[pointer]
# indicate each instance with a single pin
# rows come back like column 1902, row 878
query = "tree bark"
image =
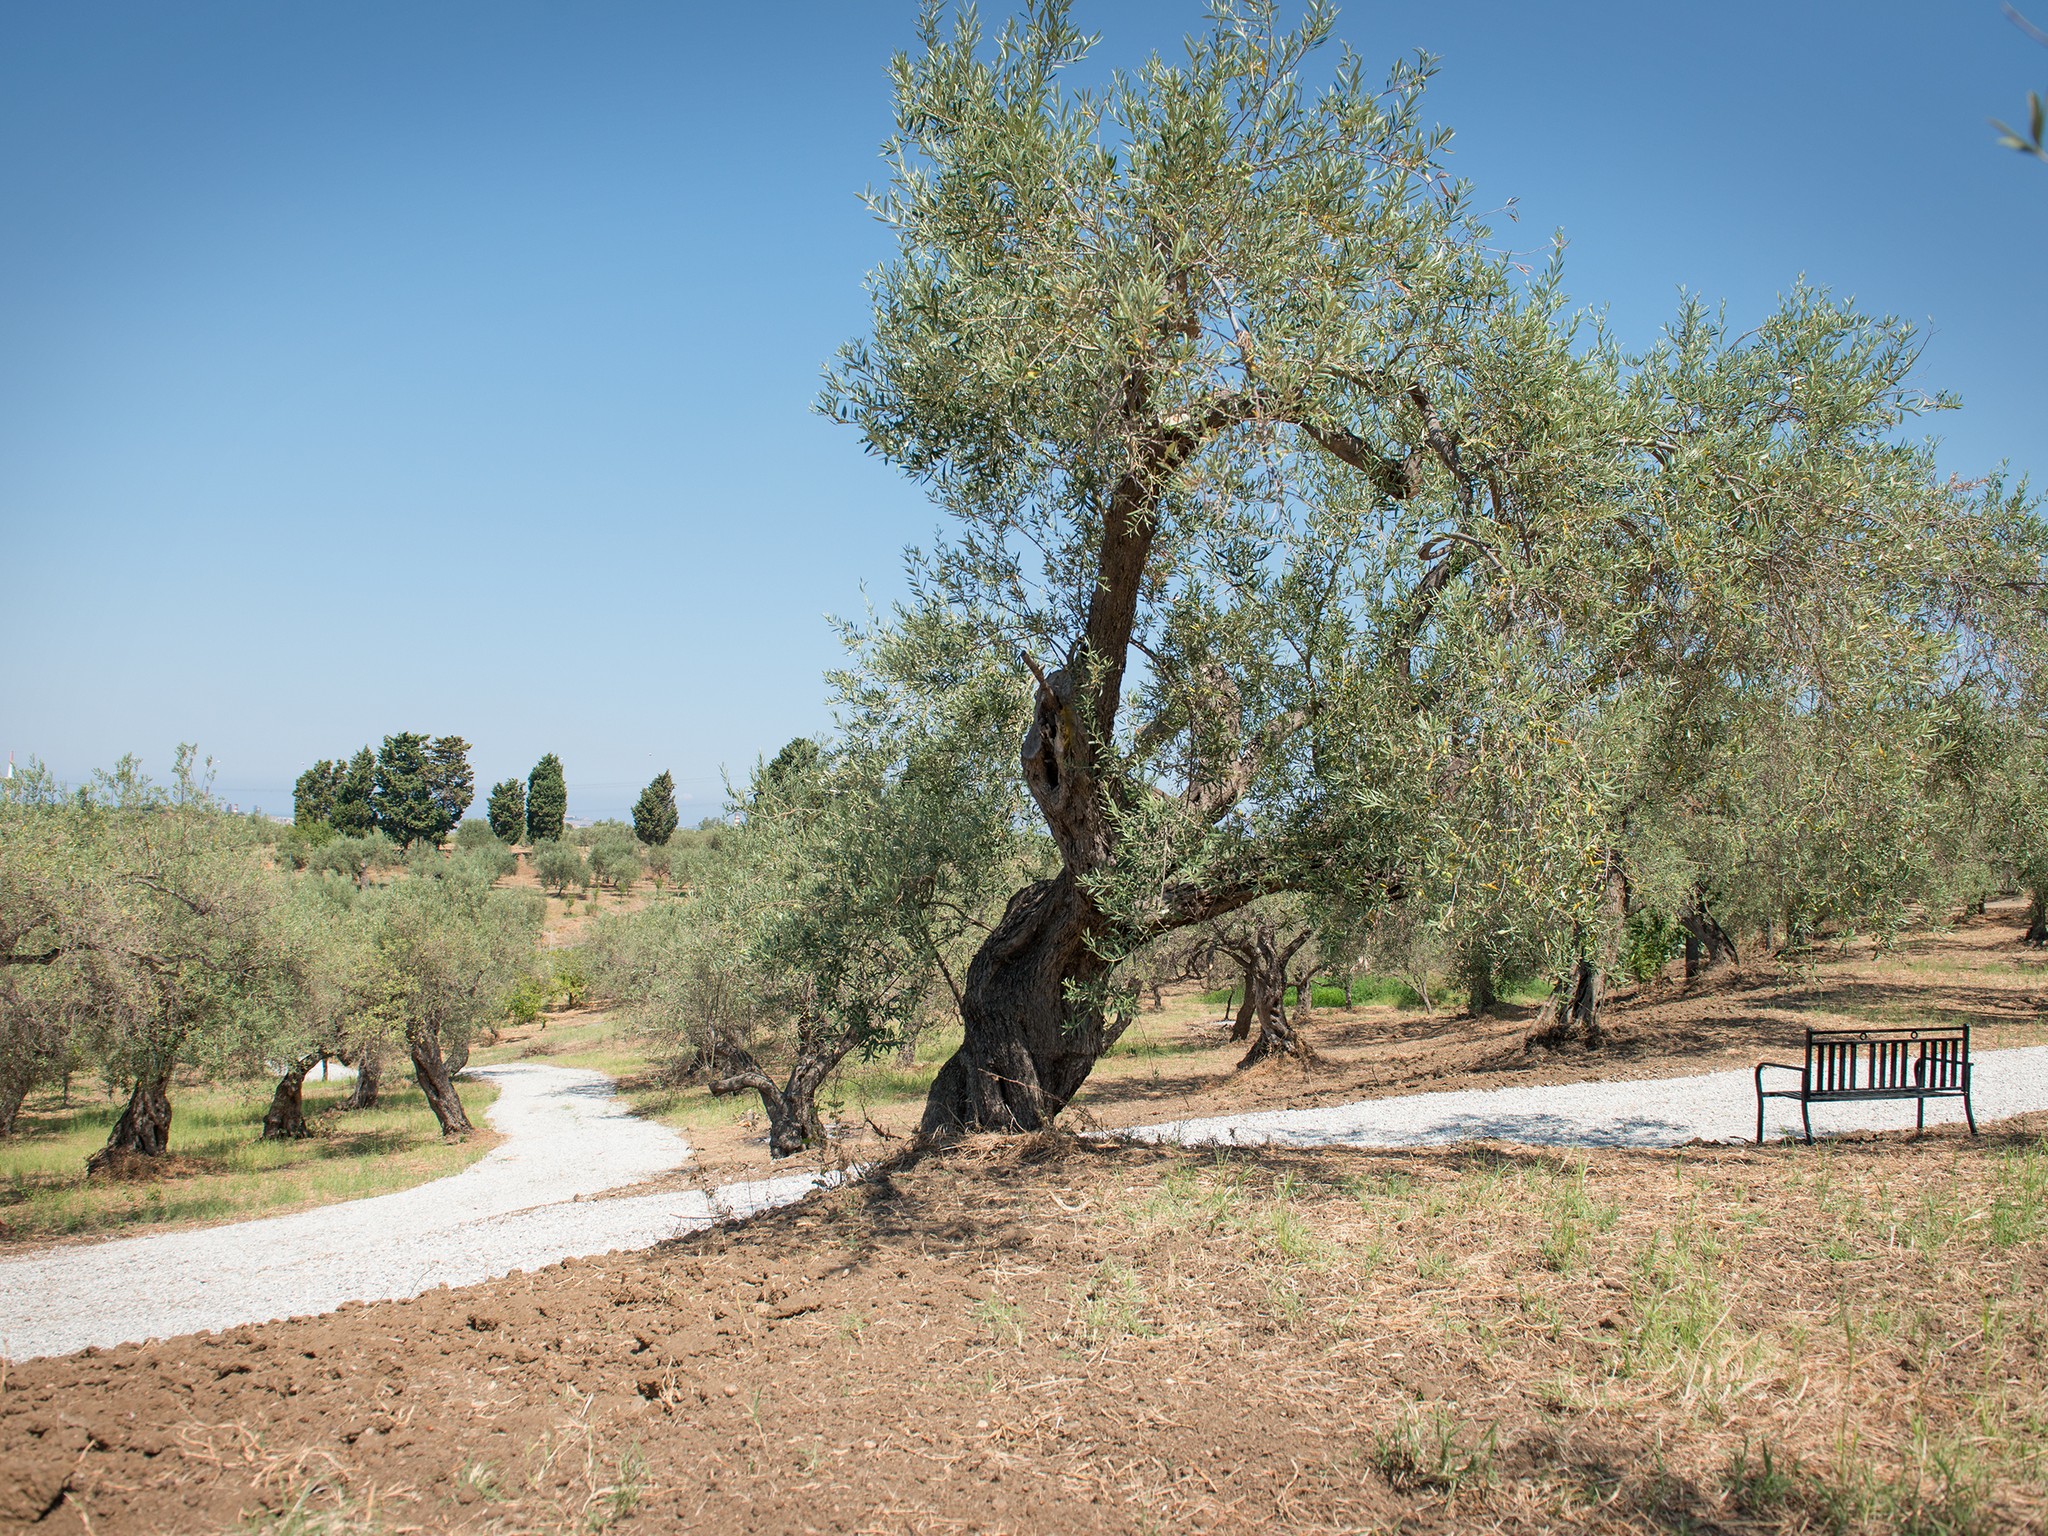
column 792, row 1109
column 424, row 1044
column 1241, row 1026
column 1707, row 945
column 369, row 1076
column 144, row 1126
column 2037, row 918
column 285, row 1120
column 15, row 1082
column 1029, row 1043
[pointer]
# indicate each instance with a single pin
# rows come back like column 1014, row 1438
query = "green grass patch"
column 219, row 1168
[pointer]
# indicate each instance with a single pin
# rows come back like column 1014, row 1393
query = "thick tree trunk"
column 792, row 1109
column 1480, row 994
column 1707, row 945
column 369, row 1076
column 144, row 1126
column 1029, row 1043
column 2037, row 918
column 424, row 1044
column 1247, row 1011
column 1278, row 1034
column 285, row 1120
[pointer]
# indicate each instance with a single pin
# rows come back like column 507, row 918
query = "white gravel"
column 523, row 1205
column 1652, row 1112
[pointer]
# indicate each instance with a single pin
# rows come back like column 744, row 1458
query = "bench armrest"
column 1782, row 1066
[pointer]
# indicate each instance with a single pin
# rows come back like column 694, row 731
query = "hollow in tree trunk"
column 144, row 1126
column 285, row 1120
column 423, row 1041
column 369, row 1077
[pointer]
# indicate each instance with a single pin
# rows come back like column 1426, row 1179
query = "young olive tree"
column 443, row 950
column 1322, row 535
column 858, row 882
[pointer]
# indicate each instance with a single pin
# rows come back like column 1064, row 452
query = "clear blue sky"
column 373, row 367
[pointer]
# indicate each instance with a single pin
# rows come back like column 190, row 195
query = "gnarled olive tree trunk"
column 1707, row 944
column 285, row 1120
column 2037, row 918
column 423, row 1042
column 369, row 1066
column 144, row 1127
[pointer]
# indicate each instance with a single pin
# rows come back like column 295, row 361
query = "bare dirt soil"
column 1045, row 1335
column 1040, row 1334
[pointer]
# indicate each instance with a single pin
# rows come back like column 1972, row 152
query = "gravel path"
column 523, row 1205
column 1653, row 1112
column 568, row 1137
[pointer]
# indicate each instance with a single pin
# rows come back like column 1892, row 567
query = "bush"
column 559, row 866
column 569, row 978
column 1649, row 942
column 615, row 860
column 476, row 833
column 529, row 997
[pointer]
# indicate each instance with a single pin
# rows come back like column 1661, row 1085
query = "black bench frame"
column 1843, row 1065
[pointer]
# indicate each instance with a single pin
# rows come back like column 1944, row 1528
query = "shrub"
column 1649, row 941
column 615, row 860
column 559, row 866
column 476, row 833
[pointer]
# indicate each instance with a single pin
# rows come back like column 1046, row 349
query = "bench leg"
column 1806, row 1119
column 1759, row 1117
column 1920, row 1123
column 1969, row 1114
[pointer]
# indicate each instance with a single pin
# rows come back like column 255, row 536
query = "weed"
column 1431, row 1448
column 1001, row 1320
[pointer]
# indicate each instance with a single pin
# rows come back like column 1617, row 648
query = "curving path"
column 523, row 1205
column 1647, row 1112
column 568, row 1137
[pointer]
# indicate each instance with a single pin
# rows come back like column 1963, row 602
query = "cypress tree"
column 354, row 812
column 407, row 807
column 547, row 801
column 313, row 796
column 654, row 813
column 507, row 810
column 450, row 778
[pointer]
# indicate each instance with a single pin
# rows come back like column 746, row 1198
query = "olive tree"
column 442, row 951
column 1320, row 534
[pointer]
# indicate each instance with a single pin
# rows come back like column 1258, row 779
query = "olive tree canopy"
column 1319, row 530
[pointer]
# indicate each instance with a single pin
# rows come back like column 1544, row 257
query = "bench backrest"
column 1873, row 1060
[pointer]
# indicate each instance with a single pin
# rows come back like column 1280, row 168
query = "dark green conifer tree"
column 507, row 810
column 355, row 811
column 450, row 777
column 547, row 801
column 654, row 813
column 313, row 796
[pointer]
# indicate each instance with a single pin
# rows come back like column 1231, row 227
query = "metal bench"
column 1850, row 1064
